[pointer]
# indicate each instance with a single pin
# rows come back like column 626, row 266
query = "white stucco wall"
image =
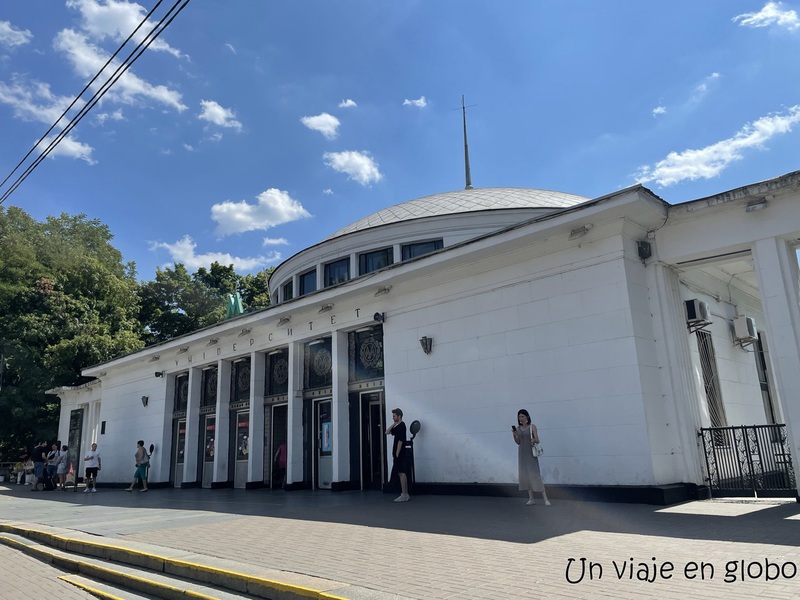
column 550, row 333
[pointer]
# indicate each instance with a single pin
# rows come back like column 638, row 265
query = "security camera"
column 159, row 373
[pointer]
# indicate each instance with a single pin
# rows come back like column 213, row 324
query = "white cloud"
column 327, row 191
column 111, row 19
column 712, row 160
column 348, row 103
column 69, row 147
column 659, row 110
column 274, row 207
column 87, row 59
column 217, row 115
column 772, row 14
column 34, row 101
column 419, row 102
column 231, row 48
column 12, row 37
column 114, row 116
column 184, row 251
column 216, row 137
column 188, row 147
column 326, row 124
column 274, row 242
column 701, row 89
column 356, row 165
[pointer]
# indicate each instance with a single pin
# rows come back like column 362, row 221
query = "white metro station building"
column 625, row 325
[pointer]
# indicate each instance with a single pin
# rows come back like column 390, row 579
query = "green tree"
column 177, row 303
column 67, row 301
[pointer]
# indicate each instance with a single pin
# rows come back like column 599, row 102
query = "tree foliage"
column 176, row 303
column 67, row 301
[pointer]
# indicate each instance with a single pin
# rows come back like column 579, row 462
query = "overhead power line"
column 134, row 55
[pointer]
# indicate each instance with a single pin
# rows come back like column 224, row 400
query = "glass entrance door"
column 209, row 443
column 372, row 440
column 279, row 440
column 324, row 435
column 242, row 447
column 180, row 450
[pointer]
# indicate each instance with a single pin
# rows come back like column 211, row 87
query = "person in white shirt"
column 92, row 460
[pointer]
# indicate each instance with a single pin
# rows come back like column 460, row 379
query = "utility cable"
column 86, row 87
column 98, row 95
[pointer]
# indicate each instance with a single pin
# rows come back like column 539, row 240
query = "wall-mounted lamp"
column 159, row 373
column 154, row 358
column 145, row 400
column 383, row 290
column 183, row 350
column 245, row 331
column 581, row 231
column 755, row 205
column 426, row 343
column 284, row 321
column 325, row 308
column 379, row 317
column 213, row 342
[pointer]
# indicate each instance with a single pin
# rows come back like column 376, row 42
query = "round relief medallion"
column 370, row 352
column 280, row 372
column 322, row 362
column 244, row 378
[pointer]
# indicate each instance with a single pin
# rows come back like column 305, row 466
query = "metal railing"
column 753, row 460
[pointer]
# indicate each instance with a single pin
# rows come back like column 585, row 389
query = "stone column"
column 222, row 443
column 192, row 427
column 339, row 409
column 255, row 461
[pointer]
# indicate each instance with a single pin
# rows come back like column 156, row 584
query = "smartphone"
column 513, row 428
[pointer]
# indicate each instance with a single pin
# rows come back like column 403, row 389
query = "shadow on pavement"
column 490, row 518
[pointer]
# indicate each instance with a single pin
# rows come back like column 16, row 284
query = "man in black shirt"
column 401, row 463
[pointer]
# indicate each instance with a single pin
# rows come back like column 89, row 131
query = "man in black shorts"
column 92, row 460
column 401, row 462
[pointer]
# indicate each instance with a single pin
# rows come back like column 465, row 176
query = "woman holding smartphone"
column 530, row 477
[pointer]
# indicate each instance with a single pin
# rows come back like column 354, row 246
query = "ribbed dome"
column 463, row 201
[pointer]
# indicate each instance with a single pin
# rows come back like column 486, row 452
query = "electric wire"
column 157, row 30
column 83, row 91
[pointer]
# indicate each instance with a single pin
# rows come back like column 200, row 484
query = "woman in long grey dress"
column 530, row 477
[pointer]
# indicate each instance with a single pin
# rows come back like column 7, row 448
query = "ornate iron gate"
column 749, row 460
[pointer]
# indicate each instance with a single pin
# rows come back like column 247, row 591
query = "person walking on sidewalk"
column 93, row 466
column 401, row 465
column 530, row 476
column 142, row 464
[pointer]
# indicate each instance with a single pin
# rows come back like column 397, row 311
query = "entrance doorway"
column 209, row 444
column 324, row 437
column 279, row 437
column 179, row 439
column 241, row 449
column 373, row 447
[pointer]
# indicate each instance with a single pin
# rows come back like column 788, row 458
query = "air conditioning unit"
column 744, row 329
column 697, row 311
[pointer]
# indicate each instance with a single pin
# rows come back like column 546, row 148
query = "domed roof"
column 463, row 201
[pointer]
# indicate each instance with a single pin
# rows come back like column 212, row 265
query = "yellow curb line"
column 92, row 590
column 139, row 584
column 167, row 565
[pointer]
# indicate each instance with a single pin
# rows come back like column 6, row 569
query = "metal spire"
column 466, row 146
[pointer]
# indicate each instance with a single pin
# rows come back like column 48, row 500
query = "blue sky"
column 251, row 129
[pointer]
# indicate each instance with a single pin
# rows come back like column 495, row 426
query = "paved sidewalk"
column 454, row 546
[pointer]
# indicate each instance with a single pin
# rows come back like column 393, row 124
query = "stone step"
column 131, row 579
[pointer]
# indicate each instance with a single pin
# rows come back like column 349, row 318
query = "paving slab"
column 450, row 546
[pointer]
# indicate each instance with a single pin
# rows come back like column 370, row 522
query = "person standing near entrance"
column 530, row 476
column 401, row 464
column 39, row 458
column 142, row 464
column 92, row 461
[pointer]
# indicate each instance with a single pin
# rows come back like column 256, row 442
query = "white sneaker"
column 530, row 502
column 547, row 502
column 86, row 491
column 94, row 490
column 403, row 498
